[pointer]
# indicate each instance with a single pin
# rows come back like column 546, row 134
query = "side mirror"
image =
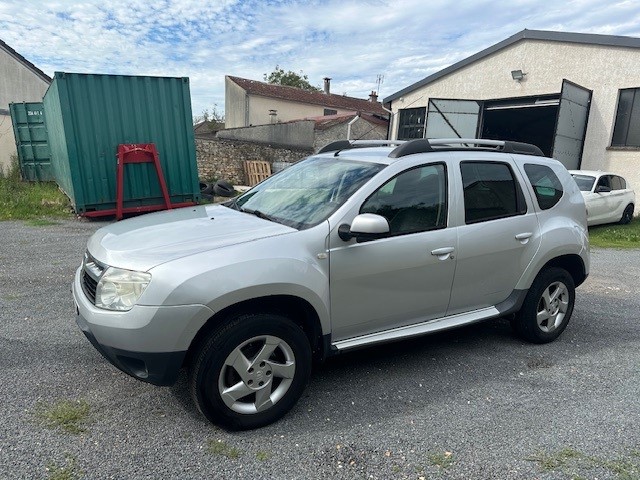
column 365, row 225
column 602, row 189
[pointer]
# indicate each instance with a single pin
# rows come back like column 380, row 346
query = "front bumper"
column 148, row 343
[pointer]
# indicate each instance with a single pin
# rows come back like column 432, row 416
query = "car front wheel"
column 547, row 308
column 251, row 371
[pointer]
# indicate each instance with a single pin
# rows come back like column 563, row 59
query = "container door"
column 32, row 143
column 571, row 126
column 448, row 118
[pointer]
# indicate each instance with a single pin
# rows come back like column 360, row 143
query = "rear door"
column 498, row 234
column 571, row 124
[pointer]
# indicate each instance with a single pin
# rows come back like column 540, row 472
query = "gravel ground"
column 470, row 403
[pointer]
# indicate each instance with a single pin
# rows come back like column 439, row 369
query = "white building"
column 20, row 81
column 249, row 103
column 576, row 96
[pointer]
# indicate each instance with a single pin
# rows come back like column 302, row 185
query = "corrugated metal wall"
column 29, row 130
column 88, row 116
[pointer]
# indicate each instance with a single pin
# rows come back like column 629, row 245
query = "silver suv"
column 360, row 244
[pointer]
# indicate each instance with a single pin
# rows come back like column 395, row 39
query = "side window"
column 413, row 201
column 490, row 192
column 604, row 181
column 617, row 183
column 545, row 183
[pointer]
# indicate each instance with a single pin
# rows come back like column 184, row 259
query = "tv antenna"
column 379, row 81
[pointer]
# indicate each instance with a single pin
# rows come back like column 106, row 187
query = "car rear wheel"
column 627, row 215
column 547, row 308
column 251, row 371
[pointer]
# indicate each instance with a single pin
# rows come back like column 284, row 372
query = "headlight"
column 120, row 289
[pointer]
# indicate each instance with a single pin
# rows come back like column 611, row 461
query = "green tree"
column 212, row 115
column 290, row 79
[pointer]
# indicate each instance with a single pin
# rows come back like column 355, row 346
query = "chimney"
column 274, row 115
column 373, row 97
column 327, row 85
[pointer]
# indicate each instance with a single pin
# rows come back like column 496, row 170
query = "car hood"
column 144, row 242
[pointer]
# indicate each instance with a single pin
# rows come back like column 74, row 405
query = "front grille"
column 91, row 273
column 89, row 286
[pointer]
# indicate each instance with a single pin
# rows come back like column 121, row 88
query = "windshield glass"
column 585, row 182
column 306, row 193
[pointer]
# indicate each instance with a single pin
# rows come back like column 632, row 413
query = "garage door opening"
column 556, row 123
column 531, row 122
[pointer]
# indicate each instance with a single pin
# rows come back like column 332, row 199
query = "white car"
column 608, row 197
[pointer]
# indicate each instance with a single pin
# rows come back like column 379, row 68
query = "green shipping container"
column 87, row 116
column 30, row 133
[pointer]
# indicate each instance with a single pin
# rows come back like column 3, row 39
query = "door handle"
column 443, row 253
column 524, row 237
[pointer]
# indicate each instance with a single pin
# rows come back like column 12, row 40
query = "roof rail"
column 347, row 144
column 423, row 145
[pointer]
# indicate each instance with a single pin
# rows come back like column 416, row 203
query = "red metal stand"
column 138, row 153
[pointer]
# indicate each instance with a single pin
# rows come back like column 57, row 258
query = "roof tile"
column 293, row 94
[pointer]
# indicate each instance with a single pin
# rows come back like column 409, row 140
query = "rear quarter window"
column 545, row 183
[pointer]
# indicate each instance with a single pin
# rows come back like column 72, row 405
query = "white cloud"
column 350, row 41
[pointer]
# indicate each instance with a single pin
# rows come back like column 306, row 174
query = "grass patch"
column 441, row 460
column 30, row 200
column 41, row 222
column 574, row 463
column 262, row 456
column 68, row 471
column 616, row 236
column 70, row 416
column 558, row 460
column 218, row 447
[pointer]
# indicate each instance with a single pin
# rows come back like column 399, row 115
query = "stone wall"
column 223, row 159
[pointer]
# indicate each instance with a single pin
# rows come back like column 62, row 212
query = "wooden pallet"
column 256, row 171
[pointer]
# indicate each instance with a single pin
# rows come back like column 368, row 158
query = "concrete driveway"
column 470, row 403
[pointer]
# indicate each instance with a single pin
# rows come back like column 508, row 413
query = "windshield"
column 306, row 193
column 585, row 182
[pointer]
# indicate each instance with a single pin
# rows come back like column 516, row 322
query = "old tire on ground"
column 627, row 215
column 251, row 371
column 223, row 189
column 206, row 188
column 547, row 307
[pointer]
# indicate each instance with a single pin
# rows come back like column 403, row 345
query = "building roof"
column 327, row 121
column 564, row 37
column 25, row 62
column 299, row 95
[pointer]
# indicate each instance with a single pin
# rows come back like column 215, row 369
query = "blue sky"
column 350, row 41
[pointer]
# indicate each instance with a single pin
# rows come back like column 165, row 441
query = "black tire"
column 551, row 280
column 209, row 374
column 627, row 215
column 223, row 188
column 206, row 188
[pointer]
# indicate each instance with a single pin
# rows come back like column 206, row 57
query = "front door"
column 404, row 277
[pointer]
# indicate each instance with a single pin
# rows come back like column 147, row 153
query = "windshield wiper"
column 259, row 214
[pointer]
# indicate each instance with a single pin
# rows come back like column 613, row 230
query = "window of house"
column 626, row 131
column 490, row 192
column 330, row 111
column 545, row 183
column 411, row 123
column 413, row 201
